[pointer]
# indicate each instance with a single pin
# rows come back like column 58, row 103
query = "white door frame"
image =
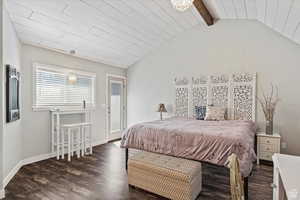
column 107, row 115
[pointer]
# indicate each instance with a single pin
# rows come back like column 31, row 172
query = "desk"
column 56, row 124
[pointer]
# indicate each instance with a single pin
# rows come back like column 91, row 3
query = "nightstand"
column 267, row 145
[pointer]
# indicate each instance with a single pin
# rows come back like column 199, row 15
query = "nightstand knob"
column 273, row 185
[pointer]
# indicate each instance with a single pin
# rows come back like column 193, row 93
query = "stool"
column 71, row 138
column 86, row 138
column 74, row 137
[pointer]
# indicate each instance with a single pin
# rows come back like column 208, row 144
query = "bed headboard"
column 236, row 92
column 182, row 97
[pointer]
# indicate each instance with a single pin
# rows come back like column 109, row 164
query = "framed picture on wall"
column 12, row 94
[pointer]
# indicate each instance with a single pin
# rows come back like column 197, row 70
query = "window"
column 58, row 87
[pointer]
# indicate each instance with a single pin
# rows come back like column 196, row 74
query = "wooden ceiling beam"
column 203, row 11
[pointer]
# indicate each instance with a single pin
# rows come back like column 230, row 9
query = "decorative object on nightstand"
column 267, row 145
column 161, row 109
column 268, row 104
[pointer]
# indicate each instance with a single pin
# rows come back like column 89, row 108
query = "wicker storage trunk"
column 167, row 176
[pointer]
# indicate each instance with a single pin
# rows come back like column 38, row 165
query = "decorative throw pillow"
column 214, row 113
column 200, row 112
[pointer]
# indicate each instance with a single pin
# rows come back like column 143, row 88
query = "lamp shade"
column 161, row 108
column 72, row 78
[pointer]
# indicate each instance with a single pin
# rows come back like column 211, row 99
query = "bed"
column 205, row 141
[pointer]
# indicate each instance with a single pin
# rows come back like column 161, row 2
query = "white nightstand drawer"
column 266, row 155
column 268, row 147
column 267, row 140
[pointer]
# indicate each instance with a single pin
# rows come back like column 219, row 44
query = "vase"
column 269, row 127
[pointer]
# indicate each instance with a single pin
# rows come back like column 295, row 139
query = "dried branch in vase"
column 268, row 104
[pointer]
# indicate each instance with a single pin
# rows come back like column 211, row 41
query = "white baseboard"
column 99, row 142
column 2, row 193
column 114, row 136
column 38, row 158
column 34, row 159
column 12, row 173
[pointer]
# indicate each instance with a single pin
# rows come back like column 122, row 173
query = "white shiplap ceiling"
column 121, row 32
column 115, row 32
column 282, row 16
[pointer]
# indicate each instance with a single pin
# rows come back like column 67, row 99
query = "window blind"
column 54, row 88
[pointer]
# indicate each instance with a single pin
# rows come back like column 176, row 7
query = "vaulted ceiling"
column 121, row 32
column 282, row 16
column 116, row 32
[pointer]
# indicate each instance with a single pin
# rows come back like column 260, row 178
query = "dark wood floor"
column 102, row 176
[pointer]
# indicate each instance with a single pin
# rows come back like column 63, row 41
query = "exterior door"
column 116, row 108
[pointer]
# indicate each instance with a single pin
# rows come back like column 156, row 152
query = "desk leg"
column 91, row 145
column 78, row 143
column 276, row 181
column 82, row 140
column 52, row 132
column 72, row 142
column 62, row 144
column 57, row 136
column 69, row 144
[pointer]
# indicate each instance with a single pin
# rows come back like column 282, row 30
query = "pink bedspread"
column 209, row 141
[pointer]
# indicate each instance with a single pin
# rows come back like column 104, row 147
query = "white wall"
column 12, row 136
column 36, row 125
column 226, row 47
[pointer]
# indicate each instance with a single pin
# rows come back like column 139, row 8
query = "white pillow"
column 214, row 113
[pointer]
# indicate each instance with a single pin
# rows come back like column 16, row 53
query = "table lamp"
column 161, row 109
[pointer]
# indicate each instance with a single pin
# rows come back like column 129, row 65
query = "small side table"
column 267, row 146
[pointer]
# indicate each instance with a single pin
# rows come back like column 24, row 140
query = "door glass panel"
column 115, row 105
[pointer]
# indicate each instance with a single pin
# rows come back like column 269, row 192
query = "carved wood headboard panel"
column 236, row 92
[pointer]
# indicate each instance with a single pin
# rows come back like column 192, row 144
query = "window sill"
column 61, row 108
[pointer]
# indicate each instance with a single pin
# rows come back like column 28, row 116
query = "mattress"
column 206, row 141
